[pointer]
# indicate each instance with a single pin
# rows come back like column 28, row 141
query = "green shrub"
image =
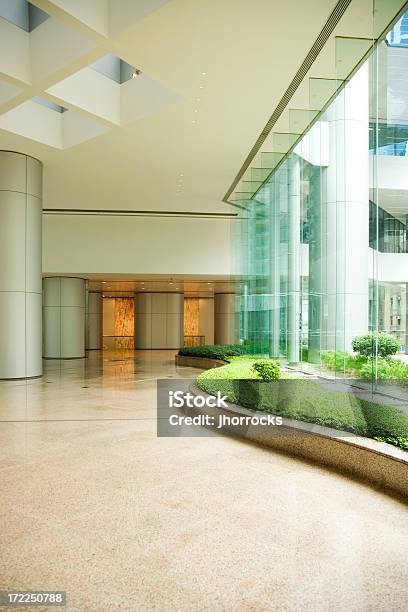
column 387, row 369
column 341, row 361
column 268, row 369
column 241, row 358
column 366, row 345
column 226, row 379
column 384, row 420
column 307, row 400
column 399, row 441
column 213, row 351
column 369, row 371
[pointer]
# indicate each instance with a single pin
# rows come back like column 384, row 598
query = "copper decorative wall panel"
column 124, row 317
column 191, row 317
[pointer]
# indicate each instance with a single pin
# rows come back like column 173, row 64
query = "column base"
column 64, row 358
column 24, row 377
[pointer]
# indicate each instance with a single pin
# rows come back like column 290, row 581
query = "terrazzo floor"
column 93, row 503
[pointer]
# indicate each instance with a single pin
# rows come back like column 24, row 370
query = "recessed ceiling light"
column 103, row 282
column 196, row 110
column 204, row 73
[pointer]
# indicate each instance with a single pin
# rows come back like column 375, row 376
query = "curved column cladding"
column 345, row 217
column 225, row 320
column 64, row 318
column 94, row 325
column 159, row 320
column 20, row 265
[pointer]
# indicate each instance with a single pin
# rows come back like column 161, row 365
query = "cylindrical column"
column 294, row 280
column 346, row 215
column 94, row 326
column 159, row 320
column 20, row 265
column 64, row 318
column 225, row 327
column 274, row 346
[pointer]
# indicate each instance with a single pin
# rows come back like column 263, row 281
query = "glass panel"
column 260, row 174
column 348, row 53
column 239, row 196
column 321, row 91
column 270, row 160
column 300, row 119
column 325, row 244
column 250, row 186
column 282, row 142
column 384, row 12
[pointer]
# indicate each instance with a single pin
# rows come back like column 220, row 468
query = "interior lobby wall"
column 118, row 322
column 206, row 327
column 191, row 316
column 124, row 317
column 83, row 245
column 109, row 316
column 199, row 319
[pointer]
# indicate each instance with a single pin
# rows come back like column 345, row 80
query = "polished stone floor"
column 93, row 503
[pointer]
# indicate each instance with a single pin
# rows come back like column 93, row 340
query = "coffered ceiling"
column 212, row 71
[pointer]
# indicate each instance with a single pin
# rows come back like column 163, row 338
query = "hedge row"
column 213, row 351
column 307, row 400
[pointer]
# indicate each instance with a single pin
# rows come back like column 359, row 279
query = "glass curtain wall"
column 322, row 244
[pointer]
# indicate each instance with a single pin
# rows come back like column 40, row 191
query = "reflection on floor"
column 94, row 504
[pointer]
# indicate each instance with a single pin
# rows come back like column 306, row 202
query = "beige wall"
column 108, row 316
column 84, row 245
column 225, row 319
column 159, row 319
column 207, row 319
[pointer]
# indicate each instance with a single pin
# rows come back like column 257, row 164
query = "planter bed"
column 377, row 463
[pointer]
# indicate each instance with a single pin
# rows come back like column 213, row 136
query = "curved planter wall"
column 203, row 363
column 378, row 463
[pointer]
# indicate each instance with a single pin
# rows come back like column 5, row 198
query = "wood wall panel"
column 124, row 317
column 191, row 317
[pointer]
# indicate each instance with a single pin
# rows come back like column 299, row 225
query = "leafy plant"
column 384, row 420
column 341, row 360
column 366, row 345
column 399, row 441
column 386, row 369
column 268, row 369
